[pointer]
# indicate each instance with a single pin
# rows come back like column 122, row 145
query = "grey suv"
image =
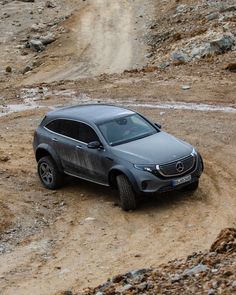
column 113, row 146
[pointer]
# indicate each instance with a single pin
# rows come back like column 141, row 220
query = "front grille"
column 170, row 169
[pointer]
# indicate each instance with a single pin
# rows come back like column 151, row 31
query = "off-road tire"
column 49, row 173
column 127, row 196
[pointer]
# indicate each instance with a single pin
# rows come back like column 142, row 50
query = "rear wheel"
column 49, row 173
column 127, row 196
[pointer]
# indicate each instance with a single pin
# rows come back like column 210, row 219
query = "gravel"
column 208, row 272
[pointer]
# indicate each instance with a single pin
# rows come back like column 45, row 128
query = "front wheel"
column 127, row 196
column 49, row 174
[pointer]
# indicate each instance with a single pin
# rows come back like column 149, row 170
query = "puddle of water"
column 83, row 98
column 33, row 98
column 186, row 106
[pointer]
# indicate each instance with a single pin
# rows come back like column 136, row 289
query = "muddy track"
column 105, row 37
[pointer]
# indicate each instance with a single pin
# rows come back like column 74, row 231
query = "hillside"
column 173, row 61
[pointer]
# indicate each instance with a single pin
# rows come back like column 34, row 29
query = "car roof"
column 96, row 113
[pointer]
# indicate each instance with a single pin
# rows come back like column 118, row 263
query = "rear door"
column 64, row 141
column 94, row 162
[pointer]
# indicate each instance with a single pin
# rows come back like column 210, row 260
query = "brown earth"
column 47, row 241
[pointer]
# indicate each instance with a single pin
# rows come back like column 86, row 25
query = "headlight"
column 194, row 152
column 148, row 167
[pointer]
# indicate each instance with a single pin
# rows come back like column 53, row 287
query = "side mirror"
column 94, row 145
column 158, row 125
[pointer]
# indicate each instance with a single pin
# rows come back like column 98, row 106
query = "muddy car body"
column 113, row 146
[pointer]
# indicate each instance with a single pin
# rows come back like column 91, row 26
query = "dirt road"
column 77, row 236
column 104, row 37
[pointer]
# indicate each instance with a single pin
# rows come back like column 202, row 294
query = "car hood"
column 159, row 148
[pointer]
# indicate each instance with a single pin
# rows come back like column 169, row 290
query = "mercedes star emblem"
column 179, row 166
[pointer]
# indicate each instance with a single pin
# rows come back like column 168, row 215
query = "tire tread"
column 127, row 196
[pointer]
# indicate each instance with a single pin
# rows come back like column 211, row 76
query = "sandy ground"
column 47, row 243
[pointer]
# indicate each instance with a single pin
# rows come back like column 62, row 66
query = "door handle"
column 79, row 147
column 55, row 139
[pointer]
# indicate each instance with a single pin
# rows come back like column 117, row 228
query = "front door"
column 93, row 162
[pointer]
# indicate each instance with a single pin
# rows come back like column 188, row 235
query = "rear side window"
column 73, row 129
column 54, row 126
column 65, row 127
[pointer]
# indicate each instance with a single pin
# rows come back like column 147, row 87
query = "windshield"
column 125, row 129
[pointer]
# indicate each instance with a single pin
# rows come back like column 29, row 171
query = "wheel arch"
column 201, row 161
column 44, row 150
column 117, row 170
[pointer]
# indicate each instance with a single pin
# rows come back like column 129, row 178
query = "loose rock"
column 185, row 87
column 36, row 45
column 180, row 276
column 50, row 4
column 47, row 39
column 8, row 69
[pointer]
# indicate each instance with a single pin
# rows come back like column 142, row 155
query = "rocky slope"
column 56, row 40
column 210, row 272
column 192, row 31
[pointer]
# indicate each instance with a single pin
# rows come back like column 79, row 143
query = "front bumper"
column 147, row 182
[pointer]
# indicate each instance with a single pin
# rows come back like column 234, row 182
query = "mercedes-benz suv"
column 113, row 146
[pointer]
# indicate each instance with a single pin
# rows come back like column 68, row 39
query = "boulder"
column 225, row 241
column 26, row 69
column 222, row 44
column 182, row 8
column 36, row 45
column 231, row 67
column 38, row 27
column 212, row 16
column 8, row 69
column 179, row 56
column 195, row 270
column 47, row 39
column 50, row 4
column 198, row 52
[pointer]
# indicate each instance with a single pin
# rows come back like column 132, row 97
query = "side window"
column 70, row 129
column 73, row 129
column 65, row 127
column 54, row 126
column 87, row 134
